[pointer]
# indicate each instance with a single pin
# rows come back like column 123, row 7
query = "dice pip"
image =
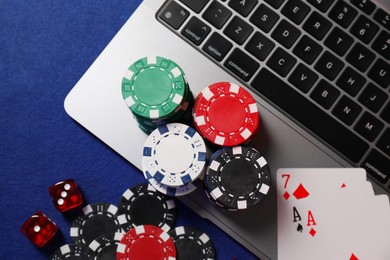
column 65, row 195
column 39, row 229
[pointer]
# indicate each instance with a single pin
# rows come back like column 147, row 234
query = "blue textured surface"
column 45, row 47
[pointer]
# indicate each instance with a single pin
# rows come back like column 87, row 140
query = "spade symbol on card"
column 300, row 228
column 301, row 192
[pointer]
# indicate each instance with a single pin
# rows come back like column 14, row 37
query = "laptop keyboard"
column 323, row 63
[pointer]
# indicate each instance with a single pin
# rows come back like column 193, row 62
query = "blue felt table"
column 45, row 47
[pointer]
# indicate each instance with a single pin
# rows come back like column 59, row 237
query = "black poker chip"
column 192, row 244
column 70, row 252
column 144, row 205
column 95, row 220
column 104, row 247
column 214, row 202
column 237, row 177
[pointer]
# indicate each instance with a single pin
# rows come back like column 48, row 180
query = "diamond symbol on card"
column 301, row 192
column 353, row 257
column 343, row 186
column 286, row 195
column 312, row 232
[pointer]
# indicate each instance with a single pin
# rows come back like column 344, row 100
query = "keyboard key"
column 351, row 81
column 281, row 62
column 238, row 30
column 307, row 49
column 342, row 13
column 310, row 115
column 303, row 78
column 275, row 3
column 329, row 65
column 217, row 46
column 382, row 45
column 364, row 5
column 317, row 25
column 264, row 18
column 377, row 166
column 322, row 5
column 243, row 7
column 295, row 10
column 195, row 30
column 364, row 29
column 241, row 64
column 260, row 46
column 380, row 73
column 325, row 94
column 174, row 14
column 386, row 113
column 217, row 14
column 369, row 126
column 338, row 41
column 373, row 98
column 196, row 6
column 286, row 33
column 383, row 18
column 360, row 57
column 347, row 110
column 384, row 142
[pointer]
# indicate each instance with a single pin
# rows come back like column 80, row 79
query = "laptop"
column 319, row 71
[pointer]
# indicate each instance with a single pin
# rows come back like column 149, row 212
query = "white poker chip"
column 172, row 191
column 174, row 155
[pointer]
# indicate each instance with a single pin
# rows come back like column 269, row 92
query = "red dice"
column 39, row 229
column 65, row 195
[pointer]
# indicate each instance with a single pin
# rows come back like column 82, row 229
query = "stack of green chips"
column 157, row 92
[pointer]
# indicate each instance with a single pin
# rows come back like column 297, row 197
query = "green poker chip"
column 156, row 91
column 173, row 116
column 154, row 88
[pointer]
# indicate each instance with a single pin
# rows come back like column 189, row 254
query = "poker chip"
column 104, row 247
column 146, row 242
column 70, row 252
column 174, row 155
column 156, row 91
column 146, row 130
column 226, row 114
column 143, row 204
column 192, row 244
column 171, row 191
column 94, row 220
column 214, row 202
column 237, row 177
column 153, row 87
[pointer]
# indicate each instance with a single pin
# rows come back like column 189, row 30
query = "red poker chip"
column 226, row 114
column 146, row 242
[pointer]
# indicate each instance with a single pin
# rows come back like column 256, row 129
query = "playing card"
column 298, row 184
column 287, row 211
column 354, row 190
column 351, row 228
column 301, row 188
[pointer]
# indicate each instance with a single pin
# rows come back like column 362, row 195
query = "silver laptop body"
column 96, row 103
